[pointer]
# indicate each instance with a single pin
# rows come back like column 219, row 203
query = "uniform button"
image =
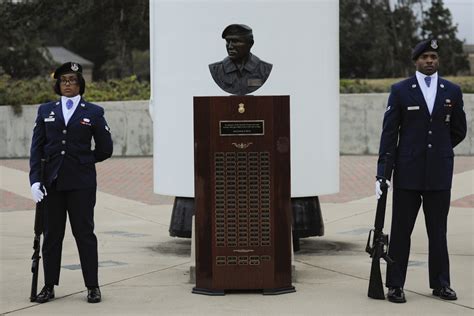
column 431, row 120
column 430, row 132
column 429, row 145
column 64, row 131
column 63, row 152
column 63, row 142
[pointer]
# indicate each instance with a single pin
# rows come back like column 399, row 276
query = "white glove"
column 36, row 192
column 378, row 190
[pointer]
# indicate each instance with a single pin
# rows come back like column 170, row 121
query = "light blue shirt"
column 429, row 93
column 67, row 113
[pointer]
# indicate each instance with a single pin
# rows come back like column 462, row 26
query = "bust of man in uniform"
column 240, row 72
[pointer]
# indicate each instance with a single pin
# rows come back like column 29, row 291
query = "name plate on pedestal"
column 242, row 128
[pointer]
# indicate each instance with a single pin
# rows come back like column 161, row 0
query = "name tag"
column 49, row 119
column 412, row 108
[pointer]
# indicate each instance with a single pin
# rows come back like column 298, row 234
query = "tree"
column 128, row 33
column 377, row 37
column 376, row 41
column 352, row 40
column 438, row 24
column 403, row 28
column 22, row 54
column 114, row 34
column 106, row 32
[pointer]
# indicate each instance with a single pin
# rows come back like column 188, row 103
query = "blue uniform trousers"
column 79, row 205
column 406, row 204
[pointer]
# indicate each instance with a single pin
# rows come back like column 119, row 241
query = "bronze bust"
column 240, row 72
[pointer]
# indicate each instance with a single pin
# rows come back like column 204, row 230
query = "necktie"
column 428, row 81
column 69, row 104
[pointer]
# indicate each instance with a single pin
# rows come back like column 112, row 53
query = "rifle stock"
column 34, row 268
column 375, row 283
column 377, row 241
column 37, row 240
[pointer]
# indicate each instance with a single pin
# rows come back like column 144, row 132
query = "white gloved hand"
column 378, row 189
column 36, row 192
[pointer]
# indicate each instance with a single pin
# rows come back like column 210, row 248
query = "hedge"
column 39, row 90
column 383, row 85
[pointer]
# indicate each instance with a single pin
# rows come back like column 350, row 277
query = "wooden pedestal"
column 242, row 194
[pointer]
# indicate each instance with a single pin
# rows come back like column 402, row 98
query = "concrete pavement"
column 143, row 271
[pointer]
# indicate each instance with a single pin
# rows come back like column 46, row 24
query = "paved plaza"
column 144, row 271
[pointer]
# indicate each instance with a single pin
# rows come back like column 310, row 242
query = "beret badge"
column 74, row 67
column 434, row 44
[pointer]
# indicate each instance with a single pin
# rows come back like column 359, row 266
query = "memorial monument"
column 241, row 73
column 242, row 178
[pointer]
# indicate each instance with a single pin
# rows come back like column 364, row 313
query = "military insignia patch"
column 254, row 82
column 74, row 67
column 434, row 44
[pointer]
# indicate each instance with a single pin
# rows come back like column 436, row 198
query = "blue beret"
column 429, row 45
column 69, row 67
column 237, row 30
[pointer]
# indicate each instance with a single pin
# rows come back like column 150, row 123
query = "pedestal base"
column 181, row 217
column 284, row 290
column 197, row 290
column 278, row 291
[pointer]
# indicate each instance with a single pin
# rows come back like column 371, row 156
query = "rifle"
column 377, row 242
column 37, row 240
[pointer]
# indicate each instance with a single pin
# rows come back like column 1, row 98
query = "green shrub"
column 40, row 90
column 383, row 85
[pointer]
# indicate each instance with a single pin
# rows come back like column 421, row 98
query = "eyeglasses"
column 71, row 81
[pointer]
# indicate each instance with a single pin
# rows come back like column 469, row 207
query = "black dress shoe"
column 446, row 293
column 396, row 295
column 93, row 295
column 46, row 294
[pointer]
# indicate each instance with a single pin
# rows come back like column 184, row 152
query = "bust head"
column 239, row 41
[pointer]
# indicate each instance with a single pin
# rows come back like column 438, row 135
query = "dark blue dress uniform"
column 422, row 144
column 70, row 181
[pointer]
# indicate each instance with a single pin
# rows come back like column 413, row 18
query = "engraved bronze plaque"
column 242, row 187
column 247, row 198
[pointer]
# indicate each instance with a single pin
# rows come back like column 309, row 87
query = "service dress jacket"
column 422, row 144
column 70, row 158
